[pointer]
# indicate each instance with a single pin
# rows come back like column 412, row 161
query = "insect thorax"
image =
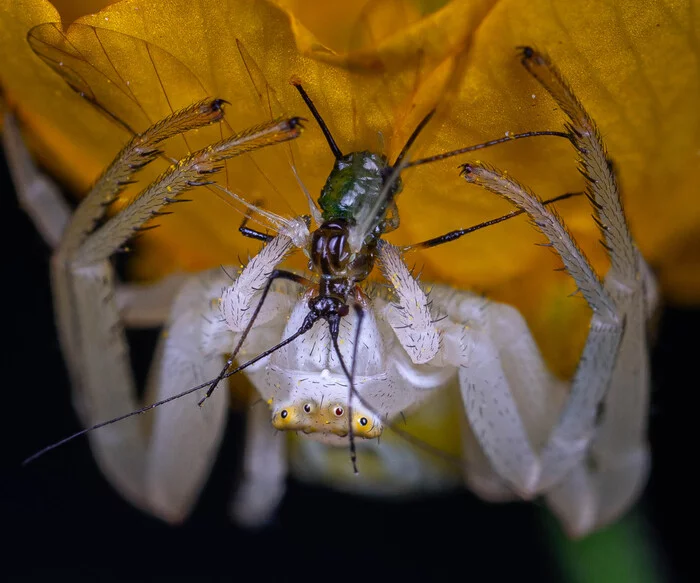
column 354, row 186
column 349, row 200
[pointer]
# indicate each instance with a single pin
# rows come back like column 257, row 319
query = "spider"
column 337, row 364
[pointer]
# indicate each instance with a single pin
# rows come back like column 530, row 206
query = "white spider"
column 580, row 444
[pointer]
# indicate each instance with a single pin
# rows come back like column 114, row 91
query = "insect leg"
column 253, row 234
column 334, row 326
column 453, row 235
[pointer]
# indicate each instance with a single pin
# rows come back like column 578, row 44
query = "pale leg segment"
column 264, row 470
column 88, row 321
column 262, row 482
column 183, row 439
column 605, row 484
column 140, row 305
column 148, row 305
column 510, row 397
column 38, row 196
column 610, row 479
column 159, row 462
column 569, row 441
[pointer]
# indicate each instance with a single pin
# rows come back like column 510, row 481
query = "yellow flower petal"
column 635, row 68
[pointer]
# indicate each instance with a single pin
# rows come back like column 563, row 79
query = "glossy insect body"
column 353, row 189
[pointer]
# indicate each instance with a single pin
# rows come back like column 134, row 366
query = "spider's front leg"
column 158, row 463
column 595, row 459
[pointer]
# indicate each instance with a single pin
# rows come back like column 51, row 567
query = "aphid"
column 336, row 364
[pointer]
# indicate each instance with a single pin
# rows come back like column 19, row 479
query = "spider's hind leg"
column 37, row 194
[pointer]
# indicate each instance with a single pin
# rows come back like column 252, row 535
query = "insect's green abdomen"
column 354, row 183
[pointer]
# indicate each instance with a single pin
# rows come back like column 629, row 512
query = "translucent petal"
column 373, row 70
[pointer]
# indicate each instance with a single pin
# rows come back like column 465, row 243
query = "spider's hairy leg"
column 568, row 442
column 619, row 452
column 412, row 322
column 156, row 463
column 140, row 304
column 490, row 347
column 141, row 150
column 255, row 315
column 595, row 459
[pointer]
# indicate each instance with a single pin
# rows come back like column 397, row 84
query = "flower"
column 373, row 70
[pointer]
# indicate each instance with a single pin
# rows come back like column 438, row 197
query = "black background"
column 59, row 514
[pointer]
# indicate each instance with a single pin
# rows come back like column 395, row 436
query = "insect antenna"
column 412, row 139
column 334, row 326
column 276, row 274
column 252, row 233
column 317, row 116
column 508, row 138
column 453, row 235
column 306, row 325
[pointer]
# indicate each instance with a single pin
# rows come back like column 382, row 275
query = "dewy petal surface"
column 636, row 69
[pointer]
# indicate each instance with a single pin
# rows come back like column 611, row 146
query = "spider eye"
column 284, row 414
column 307, row 407
column 338, row 411
column 363, row 421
